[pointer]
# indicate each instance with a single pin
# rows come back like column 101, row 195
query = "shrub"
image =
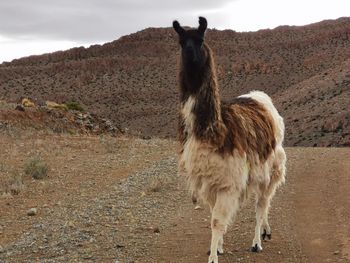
column 157, row 183
column 15, row 185
column 36, row 168
column 74, row 106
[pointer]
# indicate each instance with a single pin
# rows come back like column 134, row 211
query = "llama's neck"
column 201, row 109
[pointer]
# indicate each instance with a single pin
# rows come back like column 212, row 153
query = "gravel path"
column 148, row 217
column 112, row 226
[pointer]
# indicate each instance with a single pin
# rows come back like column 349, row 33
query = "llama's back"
column 266, row 101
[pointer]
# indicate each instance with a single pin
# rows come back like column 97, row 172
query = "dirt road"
column 109, row 200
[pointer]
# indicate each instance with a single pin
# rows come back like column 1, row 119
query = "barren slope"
column 317, row 111
column 133, row 80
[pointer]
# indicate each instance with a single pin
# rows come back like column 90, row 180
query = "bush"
column 36, row 168
column 15, row 185
column 74, row 106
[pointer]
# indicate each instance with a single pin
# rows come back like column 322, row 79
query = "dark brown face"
column 191, row 42
column 191, row 47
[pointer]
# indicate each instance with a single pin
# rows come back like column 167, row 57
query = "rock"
column 336, row 252
column 79, row 122
column 3, row 125
column 156, row 230
column 198, row 207
column 80, row 116
column 89, row 125
column 32, row 212
column 2, row 250
column 19, row 108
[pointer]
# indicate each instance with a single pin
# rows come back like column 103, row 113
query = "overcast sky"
column 39, row 26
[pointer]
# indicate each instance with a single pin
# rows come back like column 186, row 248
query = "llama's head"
column 191, row 41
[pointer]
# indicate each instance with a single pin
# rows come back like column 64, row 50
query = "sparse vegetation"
column 11, row 181
column 155, row 186
column 36, row 168
column 157, row 183
column 15, row 185
column 74, row 106
column 109, row 143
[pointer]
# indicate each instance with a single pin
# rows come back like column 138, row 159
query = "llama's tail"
column 279, row 166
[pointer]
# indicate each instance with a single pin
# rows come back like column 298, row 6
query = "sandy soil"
column 121, row 200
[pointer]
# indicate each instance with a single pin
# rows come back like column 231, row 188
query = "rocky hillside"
column 53, row 117
column 133, row 80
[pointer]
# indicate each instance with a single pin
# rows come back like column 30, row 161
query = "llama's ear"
column 178, row 28
column 202, row 25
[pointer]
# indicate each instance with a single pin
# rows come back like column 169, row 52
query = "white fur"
column 222, row 180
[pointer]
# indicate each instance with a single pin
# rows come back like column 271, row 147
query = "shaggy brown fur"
column 242, row 124
column 250, row 128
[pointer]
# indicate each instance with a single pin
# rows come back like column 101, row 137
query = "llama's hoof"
column 213, row 259
column 218, row 253
column 266, row 236
column 256, row 248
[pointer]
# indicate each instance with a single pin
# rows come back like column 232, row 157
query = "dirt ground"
column 120, row 200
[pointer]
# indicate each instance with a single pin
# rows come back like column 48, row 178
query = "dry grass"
column 15, row 185
column 158, row 183
column 156, row 186
column 36, row 168
column 11, row 181
column 109, row 143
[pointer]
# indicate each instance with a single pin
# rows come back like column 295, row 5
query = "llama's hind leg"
column 261, row 210
column 224, row 209
column 221, row 245
column 266, row 229
column 264, row 201
column 264, row 197
column 277, row 177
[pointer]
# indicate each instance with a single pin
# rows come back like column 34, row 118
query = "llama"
column 228, row 150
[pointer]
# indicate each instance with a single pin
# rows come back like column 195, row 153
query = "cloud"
column 12, row 48
column 94, row 20
column 38, row 26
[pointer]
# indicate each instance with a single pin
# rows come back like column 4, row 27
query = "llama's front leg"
column 222, row 213
column 216, row 234
column 220, row 250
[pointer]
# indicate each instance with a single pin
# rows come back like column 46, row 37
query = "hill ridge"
column 133, row 80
